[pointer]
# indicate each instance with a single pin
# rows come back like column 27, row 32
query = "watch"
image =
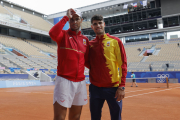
column 122, row 88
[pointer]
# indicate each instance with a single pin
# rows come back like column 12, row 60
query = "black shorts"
column 133, row 80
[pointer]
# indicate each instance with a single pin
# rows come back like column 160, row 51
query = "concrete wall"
column 51, row 21
column 170, row 7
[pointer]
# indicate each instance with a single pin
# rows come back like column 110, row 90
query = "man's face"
column 98, row 27
column 75, row 22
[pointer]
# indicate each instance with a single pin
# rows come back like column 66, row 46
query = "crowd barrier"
column 13, row 76
column 52, row 76
column 19, row 83
column 160, row 76
column 14, row 80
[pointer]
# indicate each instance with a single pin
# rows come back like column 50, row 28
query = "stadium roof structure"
column 95, row 7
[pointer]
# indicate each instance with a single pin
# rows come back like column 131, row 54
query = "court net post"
column 167, row 81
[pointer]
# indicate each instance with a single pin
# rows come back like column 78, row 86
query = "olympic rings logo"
column 162, row 77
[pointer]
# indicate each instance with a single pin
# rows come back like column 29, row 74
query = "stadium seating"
column 53, row 46
column 85, row 24
column 145, row 43
column 2, row 51
column 174, row 40
column 33, row 20
column 42, row 46
column 44, row 64
column 133, row 53
column 168, row 52
column 9, row 61
column 3, row 10
column 21, row 45
column 1, row 71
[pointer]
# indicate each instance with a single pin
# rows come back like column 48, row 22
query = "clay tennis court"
column 146, row 102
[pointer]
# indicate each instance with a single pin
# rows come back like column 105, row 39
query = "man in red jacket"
column 73, row 48
column 108, row 70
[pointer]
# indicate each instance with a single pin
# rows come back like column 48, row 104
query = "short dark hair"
column 132, row 72
column 97, row 17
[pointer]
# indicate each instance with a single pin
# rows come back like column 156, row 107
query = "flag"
column 145, row 3
column 135, row 4
column 125, row 6
column 141, row 2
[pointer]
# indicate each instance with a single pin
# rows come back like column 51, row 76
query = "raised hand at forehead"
column 70, row 13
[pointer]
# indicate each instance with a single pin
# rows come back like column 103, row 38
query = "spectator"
column 150, row 67
column 36, row 74
column 139, row 49
column 133, row 80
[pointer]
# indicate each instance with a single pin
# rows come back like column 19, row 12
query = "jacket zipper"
column 100, row 46
column 78, row 57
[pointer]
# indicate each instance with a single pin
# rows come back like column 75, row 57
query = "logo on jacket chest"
column 84, row 41
column 108, row 44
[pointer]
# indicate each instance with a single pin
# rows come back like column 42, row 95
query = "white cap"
column 78, row 12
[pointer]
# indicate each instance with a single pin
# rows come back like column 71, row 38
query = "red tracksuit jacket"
column 72, row 51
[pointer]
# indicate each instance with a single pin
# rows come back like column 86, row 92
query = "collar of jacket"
column 102, row 37
column 73, row 32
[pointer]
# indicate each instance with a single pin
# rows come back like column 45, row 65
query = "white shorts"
column 68, row 93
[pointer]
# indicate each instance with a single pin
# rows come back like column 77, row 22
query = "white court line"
column 150, row 92
column 28, row 92
column 42, row 92
column 88, row 95
column 149, row 89
column 48, row 93
column 139, row 90
column 146, row 93
column 17, row 92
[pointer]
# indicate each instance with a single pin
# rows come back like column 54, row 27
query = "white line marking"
column 88, row 95
column 148, row 93
column 28, row 92
column 139, row 90
column 47, row 93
